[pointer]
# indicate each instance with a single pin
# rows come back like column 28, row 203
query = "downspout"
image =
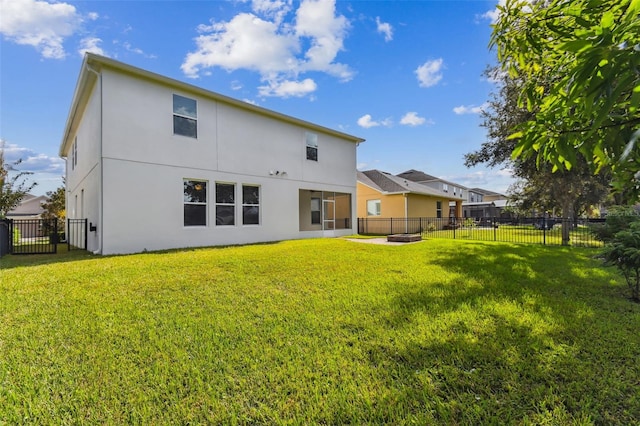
column 406, row 213
column 100, row 231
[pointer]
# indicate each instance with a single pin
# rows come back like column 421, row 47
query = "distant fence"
column 547, row 231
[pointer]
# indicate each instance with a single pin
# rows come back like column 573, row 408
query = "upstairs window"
column 312, row 146
column 445, row 187
column 185, row 116
column 74, row 153
column 195, row 203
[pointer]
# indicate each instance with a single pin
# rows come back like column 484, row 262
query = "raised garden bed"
column 404, row 238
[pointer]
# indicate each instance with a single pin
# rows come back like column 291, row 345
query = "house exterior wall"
column 83, row 179
column 423, row 206
column 391, row 205
column 131, row 168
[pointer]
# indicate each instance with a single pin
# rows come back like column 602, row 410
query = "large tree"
column 568, row 191
column 12, row 189
column 578, row 63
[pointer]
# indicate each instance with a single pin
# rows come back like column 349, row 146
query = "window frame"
column 251, row 205
column 318, row 218
column 439, row 209
column 311, row 146
column 204, row 203
column 378, row 207
column 225, row 204
column 184, row 116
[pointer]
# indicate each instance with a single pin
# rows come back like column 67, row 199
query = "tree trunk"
column 567, row 212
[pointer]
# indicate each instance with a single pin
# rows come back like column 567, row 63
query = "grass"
column 319, row 332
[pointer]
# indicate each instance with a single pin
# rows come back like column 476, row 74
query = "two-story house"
column 155, row 163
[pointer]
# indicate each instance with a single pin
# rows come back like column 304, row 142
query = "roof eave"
column 102, row 62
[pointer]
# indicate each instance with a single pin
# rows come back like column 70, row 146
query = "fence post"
column 55, row 235
column 544, row 231
column 495, row 227
column 391, row 228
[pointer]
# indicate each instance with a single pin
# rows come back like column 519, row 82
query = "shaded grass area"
column 320, row 331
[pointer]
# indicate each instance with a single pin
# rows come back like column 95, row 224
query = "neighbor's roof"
column 93, row 64
column 486, row 192
column 390, row 184
column 29, row 206
column 422, row 177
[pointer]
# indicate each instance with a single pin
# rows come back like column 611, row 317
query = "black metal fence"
column 548, row 231
column 41, row 236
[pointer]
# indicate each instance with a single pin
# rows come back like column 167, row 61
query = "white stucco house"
column 154, row 163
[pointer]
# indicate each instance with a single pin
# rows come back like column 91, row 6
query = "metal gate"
column 41, row 236
column 33, row 236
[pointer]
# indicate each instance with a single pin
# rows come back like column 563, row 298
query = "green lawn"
column 319, row 331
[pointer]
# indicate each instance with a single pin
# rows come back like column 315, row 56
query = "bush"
column 17, row 236
column 623, row 251
column 619, row 218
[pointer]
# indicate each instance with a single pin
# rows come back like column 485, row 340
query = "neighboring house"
column 154, row 163
column 488, row 195
column 383, row 195
column 492, row 205
column 454, row 189
column 445, row 186
column 29, row 208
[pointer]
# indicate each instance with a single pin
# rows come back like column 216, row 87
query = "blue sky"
column 404, row 75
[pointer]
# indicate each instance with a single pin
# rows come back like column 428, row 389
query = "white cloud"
column 367, row 122
column 137, row 50
column 31, row 160
column 285, row 89
column 317, row 20
column 264, row 43
column 429, row 73
column 470, row 109
column 40, row 24
column 275, row 9
column 385, row 28
column 90, row 44
column 412, row 119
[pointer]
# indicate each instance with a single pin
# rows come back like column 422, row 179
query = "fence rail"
column 547, row 231
column 41, row 236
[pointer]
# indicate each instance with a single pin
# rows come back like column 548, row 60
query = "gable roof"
column 390, row 184
column 422, row 177
column 417, row 176
column 93, row 64
column 29, row 206
column 486, row 192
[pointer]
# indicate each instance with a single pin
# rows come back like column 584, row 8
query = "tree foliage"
column 54, row 207
column 624, row 252
column 579, row 65
column 12, row 189
column 569, row 191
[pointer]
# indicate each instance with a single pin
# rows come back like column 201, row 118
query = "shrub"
column 469, row 222
column 16, row 235
column 618, row 219
column 623, row 251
